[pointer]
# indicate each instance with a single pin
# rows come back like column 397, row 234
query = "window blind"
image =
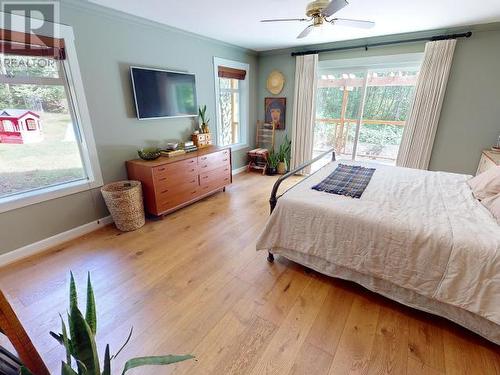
column 18, row 43
column 225, row 72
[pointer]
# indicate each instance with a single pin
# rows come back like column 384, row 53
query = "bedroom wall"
column 108, row 42
column 470, row 118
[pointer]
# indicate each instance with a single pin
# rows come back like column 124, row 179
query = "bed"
column 417, row 237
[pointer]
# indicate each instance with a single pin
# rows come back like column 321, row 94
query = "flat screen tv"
column 163, row 93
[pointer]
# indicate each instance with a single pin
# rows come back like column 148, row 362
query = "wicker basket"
column 124, row 202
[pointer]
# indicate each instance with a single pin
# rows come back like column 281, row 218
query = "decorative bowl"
column 149, row 153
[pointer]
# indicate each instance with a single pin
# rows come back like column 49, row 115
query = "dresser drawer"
column 169, row 201
column 213, row 161
column 170, row 173
column 223, row 175
column 175, row 189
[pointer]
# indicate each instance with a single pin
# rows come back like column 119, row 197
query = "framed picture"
column 276, row 112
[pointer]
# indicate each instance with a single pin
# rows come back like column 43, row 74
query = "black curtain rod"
column 366, row 46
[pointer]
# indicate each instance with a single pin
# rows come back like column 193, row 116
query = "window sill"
column 38, row 196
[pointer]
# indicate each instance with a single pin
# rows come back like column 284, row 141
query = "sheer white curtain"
column 420, row 130
column 304, row 109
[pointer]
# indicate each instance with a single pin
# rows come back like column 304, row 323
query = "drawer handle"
column 193, row 192
column 205, row 177
column 192, row 170
column 165, row 191
column 191, row 161
column 193, row 181
column 204, row 158
column 161, row 169
column 224, row 160
column 163, row 179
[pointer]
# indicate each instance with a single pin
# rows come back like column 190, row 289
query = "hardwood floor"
column 193, row 283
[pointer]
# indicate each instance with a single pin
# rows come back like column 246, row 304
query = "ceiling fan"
column 320, row 11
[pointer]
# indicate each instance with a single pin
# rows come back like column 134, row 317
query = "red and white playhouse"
column 20, row 126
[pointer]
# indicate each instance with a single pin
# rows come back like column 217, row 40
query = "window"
column 46, row 145
column 231, row 87
column 31, row 124
column 362, row 110
column 8, row 126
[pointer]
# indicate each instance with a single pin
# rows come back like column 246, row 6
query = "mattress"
column 413, row 232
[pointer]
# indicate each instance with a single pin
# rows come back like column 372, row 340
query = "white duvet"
column 420, row 230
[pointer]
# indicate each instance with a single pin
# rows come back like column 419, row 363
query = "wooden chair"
column 265, row 135
column 11, row 327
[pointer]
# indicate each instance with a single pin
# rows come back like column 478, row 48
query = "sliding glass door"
column 362, row 111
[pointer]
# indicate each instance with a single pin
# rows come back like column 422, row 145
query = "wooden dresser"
column 171, row 183
column 489, row 159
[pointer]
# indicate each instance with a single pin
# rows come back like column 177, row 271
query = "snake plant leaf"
column 25, row 371
column 125, row 344
column 73, row 297
column 90, row 314
column 154, row 361
column 84, row 348
column 65, row 341
column 107, row 362
column 58, row 337
column 67, row 370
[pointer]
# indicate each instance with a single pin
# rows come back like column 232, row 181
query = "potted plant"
column 79, row 341
column 284, row 155
column 272, row 163
column 202, row 112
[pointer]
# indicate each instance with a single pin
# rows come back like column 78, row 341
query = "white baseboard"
column 239, row 170
column 40, row 246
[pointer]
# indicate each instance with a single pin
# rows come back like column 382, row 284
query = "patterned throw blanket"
column 348, row 180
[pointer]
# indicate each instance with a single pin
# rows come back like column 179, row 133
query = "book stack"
column 170, row 154
column 190, row 147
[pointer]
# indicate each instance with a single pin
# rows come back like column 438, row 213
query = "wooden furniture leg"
column 13, row 329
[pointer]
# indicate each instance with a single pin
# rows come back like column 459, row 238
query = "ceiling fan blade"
column 306, row 32
column 353, row 23
column 334, row 7
column 286, row 20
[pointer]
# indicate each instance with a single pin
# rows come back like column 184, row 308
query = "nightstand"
column 489, row 159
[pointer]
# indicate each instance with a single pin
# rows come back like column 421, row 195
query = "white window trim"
column 244, row 100
column 84, row 127
column 366, row 65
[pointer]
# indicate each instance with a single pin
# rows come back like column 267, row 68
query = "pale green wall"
column 107, row 43
column 470, row 118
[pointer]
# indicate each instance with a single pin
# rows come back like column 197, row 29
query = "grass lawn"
column 54, row 160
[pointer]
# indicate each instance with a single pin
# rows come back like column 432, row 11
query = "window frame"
column 366, row 65
column 83, row 127
column 244, row 90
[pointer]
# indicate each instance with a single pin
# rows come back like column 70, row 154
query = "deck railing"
column 339, row 136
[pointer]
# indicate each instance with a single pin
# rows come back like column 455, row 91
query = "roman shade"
column 22, row 44
column 225, row 72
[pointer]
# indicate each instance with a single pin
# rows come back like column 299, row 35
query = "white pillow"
column 493, row 204
column 487, row 184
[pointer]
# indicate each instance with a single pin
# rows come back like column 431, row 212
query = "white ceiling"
column 237, row 21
